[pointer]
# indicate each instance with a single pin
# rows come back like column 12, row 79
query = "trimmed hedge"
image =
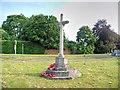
column 29, row 47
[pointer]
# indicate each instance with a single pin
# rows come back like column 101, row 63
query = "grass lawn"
column 22, row 71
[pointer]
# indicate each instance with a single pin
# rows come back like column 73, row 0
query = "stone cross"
column 60, row 60
column 62, row 23
column 61, row 69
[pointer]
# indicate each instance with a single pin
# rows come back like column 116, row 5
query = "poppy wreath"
column 47, row 75
column 52, row 66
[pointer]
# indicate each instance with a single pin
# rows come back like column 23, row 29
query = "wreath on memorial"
column 47, row 75
column 51, row 67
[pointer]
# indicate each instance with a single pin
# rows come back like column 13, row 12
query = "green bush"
column 28, row 47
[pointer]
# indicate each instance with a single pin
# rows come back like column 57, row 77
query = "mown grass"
column 98, row 71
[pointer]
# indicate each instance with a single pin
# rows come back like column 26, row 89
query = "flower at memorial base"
column 43, row 74
column 51, row 75
column 47, row 75
column 52, row 67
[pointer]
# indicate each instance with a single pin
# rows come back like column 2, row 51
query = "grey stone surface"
column 63, row 71
column 70, row 73
column 58, row 73
column 60, row 61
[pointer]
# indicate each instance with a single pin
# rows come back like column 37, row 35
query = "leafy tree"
column 13, row 25
column 4, row 34
column 118, row 42
column 70, row 45
column 106, row 38
column 98, row 26
column 85, row 40
column 42, row 29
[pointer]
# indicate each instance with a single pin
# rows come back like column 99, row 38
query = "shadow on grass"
column 27, row 74
column 33, row 74
column 37, row 75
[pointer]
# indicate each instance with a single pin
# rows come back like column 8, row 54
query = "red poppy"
column 52, row 67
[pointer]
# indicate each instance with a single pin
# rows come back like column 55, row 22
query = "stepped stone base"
column 63, row 70
column 69, row 73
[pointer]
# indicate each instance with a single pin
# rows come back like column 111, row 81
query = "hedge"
column 28, row 47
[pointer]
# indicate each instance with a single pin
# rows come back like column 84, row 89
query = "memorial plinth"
column 61, row 69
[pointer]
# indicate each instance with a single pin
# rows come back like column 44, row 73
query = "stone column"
column 15, row 47
column 60, row 60
column 61, row 37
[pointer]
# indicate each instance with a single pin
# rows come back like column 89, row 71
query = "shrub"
column 29, row 47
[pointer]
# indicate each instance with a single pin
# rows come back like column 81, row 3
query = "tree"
column 4, row 34
column 70, row 45
column 118, row 42
column 85, row 40
column 42, row 29
column 106, row 38
column 13, row 25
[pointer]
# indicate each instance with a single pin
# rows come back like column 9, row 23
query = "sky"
column 77, row 13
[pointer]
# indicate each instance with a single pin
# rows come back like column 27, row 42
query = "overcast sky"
column 77, row 13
